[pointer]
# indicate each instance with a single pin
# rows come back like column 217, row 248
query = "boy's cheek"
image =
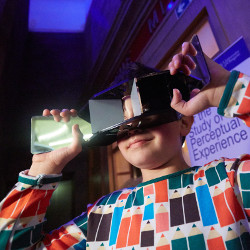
column 121, row 145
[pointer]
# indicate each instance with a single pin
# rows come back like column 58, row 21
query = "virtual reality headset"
column 148, row 102
column 139, row 103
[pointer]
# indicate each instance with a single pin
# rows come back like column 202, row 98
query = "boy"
column 176, row 207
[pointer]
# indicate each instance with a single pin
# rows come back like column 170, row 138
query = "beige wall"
column 228, row 20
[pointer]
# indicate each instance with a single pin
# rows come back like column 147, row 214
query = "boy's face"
column 152, row 148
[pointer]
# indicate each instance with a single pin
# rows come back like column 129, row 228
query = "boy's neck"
column 166, row 169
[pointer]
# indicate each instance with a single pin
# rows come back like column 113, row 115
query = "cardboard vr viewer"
column 141, row 102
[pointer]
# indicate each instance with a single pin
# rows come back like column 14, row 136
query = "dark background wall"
column 37, row 71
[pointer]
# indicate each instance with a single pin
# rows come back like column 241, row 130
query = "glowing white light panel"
column 58, row 15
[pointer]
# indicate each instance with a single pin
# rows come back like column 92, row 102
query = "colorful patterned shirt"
column 202, row 207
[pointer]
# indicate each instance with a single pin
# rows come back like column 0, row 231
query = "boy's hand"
column 210, row 95
column 58, row 115
column 54, row 162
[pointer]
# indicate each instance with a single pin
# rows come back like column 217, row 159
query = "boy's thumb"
column 177, row 103
column 76, row 145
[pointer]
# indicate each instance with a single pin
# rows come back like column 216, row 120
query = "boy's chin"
column 148, row 164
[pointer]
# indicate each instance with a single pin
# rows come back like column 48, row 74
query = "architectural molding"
column 114, row 50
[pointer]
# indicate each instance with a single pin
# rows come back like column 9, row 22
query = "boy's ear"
column 186, row 124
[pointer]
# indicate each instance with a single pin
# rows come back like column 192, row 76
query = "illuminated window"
column 58, row 15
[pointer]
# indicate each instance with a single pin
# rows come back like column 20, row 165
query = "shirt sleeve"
column 235, row 101
column 22, row 214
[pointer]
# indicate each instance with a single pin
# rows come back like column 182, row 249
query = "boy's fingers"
column 171, row 68
column 55, row 111
column 187, row 60
column 180, row 105
column 177, row 60
column 180, row 60
column 56, row 114
column 46, row 112
column 185, row 69
column 73, row 112
column 65, row 114
column 188, row 49
column 65, row 111
column 181, row 63
column 196, row 104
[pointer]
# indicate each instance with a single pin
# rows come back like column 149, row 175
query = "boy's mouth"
column 136, row 142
